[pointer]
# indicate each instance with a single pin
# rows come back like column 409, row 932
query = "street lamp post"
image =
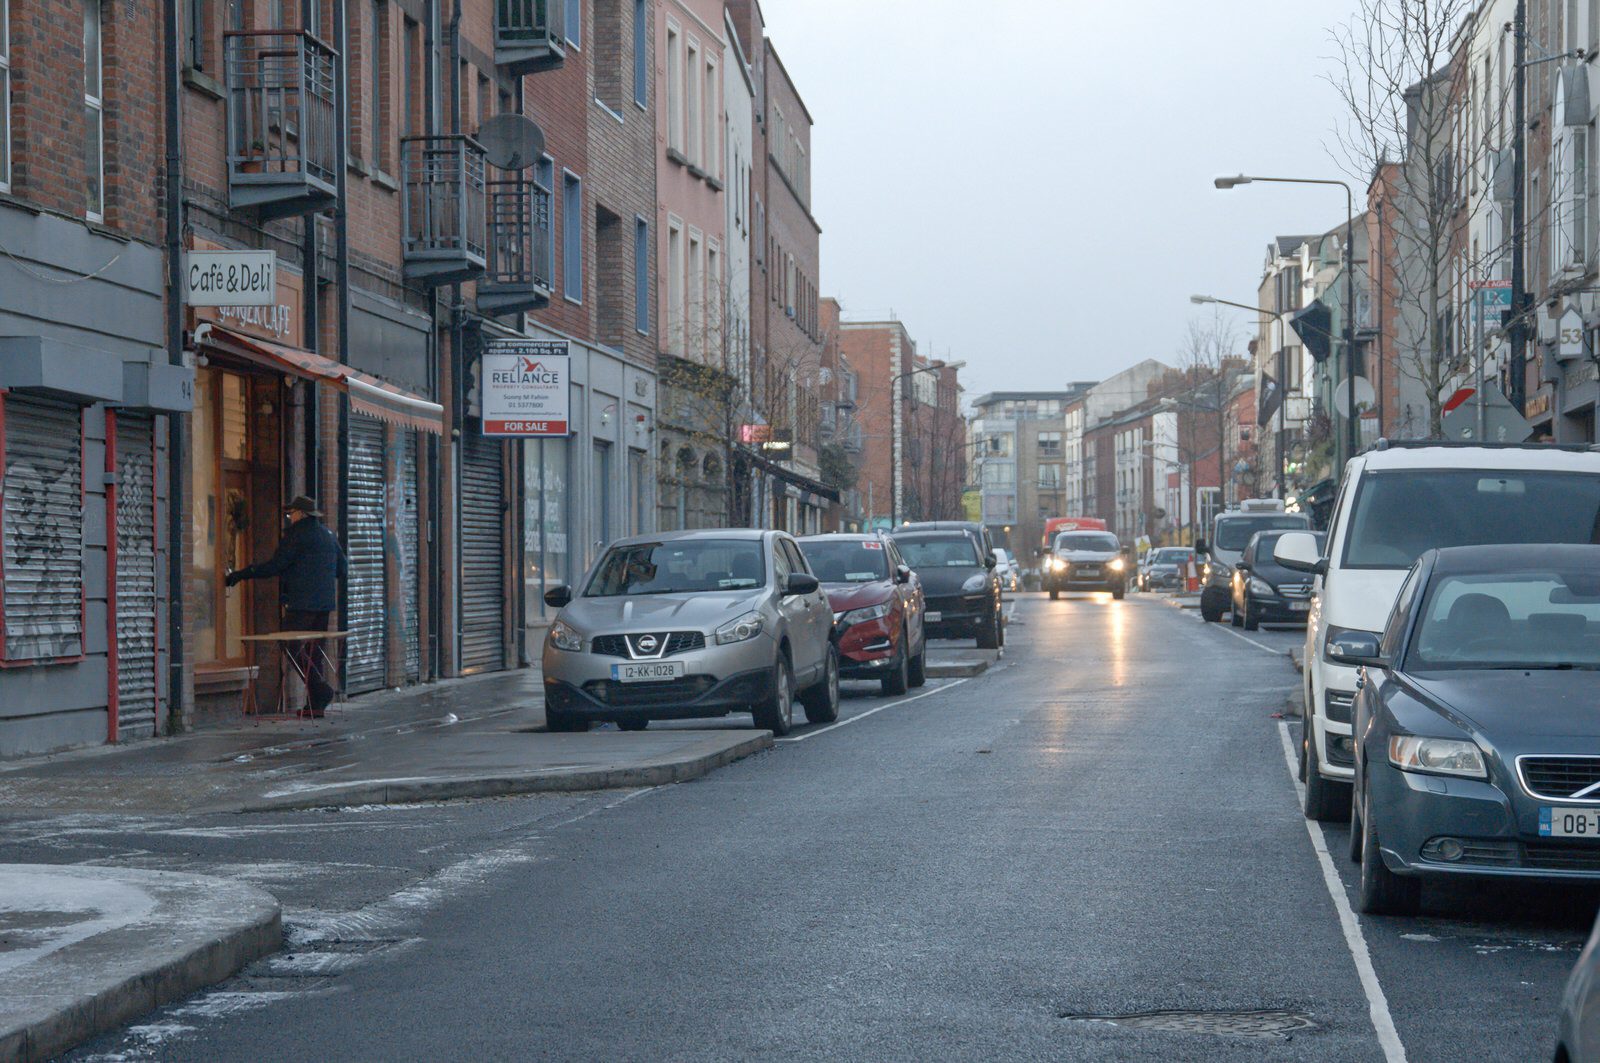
column 1351, row 440
column 897, row 487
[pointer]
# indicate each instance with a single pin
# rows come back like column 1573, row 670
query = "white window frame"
column 94, row 105
column 693, row 108
column 676, row 285
column 675, row 128
column 695, row 295
column 714, row 319
column 709, row 122
column 5, row 95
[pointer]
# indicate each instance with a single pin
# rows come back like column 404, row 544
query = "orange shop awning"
column 368, row 395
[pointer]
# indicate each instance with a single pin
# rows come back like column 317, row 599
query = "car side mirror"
column 1355, row 647
column 990, row 561
column 902, row 574
column 801, row 583
column 1299, row 551
column 1200, row 547
column 558, row 597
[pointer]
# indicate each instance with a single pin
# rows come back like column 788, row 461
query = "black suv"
column 956, row 563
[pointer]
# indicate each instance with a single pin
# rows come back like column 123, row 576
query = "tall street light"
column 897, row 485
column 1351, row 439
column 1283, row 388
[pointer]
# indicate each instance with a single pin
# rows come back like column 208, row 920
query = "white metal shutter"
column 41, row 528
column 137, row 605
column 366, row 654
column 409, row 528
column 482, row 554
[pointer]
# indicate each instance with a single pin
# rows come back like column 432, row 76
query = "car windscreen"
column 1104, row 542
column 951, row 550
column 846, row 560
column 1534, row 619
column 1233, row 533
column 1399, row 514
column 685, row 567
column 1269, row 542
column 1170, row 557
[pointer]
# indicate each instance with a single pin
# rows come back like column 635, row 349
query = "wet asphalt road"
column 1105, row 824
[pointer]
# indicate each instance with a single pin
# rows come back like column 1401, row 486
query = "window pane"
column 641, row 275
column 572, row 238
column 94, row 193
column 641, row 53
column 575, row 21
column 5, row 123
column 91, row 48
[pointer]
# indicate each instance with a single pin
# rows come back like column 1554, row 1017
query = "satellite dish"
column 1364, row 396
column 511, row 141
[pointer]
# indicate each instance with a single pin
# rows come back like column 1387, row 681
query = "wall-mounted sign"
column 230, row 278
column 525, row 387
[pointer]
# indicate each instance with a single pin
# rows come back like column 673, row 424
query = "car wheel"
column 821, row 702
column 1055, row 595
column 1356, row 830
column 1235, row 615
column 1305, row 744
column 1382, row 892
column 897, row 681
column 633, row 725
column 560, row 722
column 1119, row 592
column 1326, row 800
column 919, row 666
column 1211, row 607
column 989, row 633
column 1252, row 622
column 777, row 713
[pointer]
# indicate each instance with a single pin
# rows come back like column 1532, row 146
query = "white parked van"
column 1396, row 502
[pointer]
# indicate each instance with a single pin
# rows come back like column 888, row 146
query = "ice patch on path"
column 1419, row 937
column 105, row 904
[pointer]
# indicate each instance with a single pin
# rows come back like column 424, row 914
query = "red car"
column 877, row 608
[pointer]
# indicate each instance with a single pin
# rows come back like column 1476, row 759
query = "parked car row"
column 692, row 624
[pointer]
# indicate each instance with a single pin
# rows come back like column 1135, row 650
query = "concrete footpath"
column 466, row 738
column 84, row 949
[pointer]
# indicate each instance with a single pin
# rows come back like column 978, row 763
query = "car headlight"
column 743, row 629
column 1333, row 632
column 861, row 616
column 1117, row 564
column 563, row 637
column 975, row 583
column 1262, row 587
column 1437, row 756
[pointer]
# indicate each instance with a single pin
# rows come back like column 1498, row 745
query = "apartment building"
column 1023, row 452
column 88, row 392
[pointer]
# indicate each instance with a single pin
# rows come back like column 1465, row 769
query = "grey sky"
column 1027, row 183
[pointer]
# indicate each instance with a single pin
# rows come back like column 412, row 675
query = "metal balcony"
column 283, row 99
column 444, row 229
column 517, row 276
column 529, row 35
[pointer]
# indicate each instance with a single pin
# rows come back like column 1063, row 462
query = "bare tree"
column 1210, row 364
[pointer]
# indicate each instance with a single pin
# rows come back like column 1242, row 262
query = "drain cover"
column 1228, row 1023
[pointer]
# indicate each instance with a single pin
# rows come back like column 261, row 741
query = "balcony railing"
column 444, row 225
column 517, row 276
column 283, row 99
column 529, row 35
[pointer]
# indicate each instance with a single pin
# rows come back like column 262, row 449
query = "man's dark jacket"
column 307, row 563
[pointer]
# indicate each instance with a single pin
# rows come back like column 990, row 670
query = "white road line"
column 1253, row 642
column 1377, row 1004
column 869, row 712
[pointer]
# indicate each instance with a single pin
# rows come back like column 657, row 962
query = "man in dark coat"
column 308, row 564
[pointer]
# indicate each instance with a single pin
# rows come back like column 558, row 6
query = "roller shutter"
column 408, row 526
column 41, row 528
column 482, row 555
column 137, row 605
column 366, row 653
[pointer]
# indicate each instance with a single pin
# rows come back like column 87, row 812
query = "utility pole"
column 1519, row 281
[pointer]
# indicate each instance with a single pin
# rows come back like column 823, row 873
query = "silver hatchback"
column 684, row 625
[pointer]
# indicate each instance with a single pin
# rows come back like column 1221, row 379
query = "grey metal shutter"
column 409, row 527
column 41, row 528
column 366, row 656
column 137, row 605
column 482, row 554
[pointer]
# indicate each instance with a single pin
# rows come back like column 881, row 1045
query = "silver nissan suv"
column 683, row 625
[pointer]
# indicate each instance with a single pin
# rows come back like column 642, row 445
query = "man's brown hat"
column 304, row 505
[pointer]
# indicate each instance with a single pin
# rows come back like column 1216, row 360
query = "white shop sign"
column 230, row 278
column 526, row 388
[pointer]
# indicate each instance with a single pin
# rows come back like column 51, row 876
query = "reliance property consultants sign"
column 526, row 389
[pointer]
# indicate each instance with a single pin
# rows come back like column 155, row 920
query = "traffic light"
column 1314, row 326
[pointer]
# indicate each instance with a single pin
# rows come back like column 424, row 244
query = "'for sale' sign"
column 526, row 390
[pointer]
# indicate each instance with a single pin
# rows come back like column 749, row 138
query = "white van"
column 1396, row 502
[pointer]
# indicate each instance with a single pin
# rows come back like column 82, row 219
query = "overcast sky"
column 1027, row 183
